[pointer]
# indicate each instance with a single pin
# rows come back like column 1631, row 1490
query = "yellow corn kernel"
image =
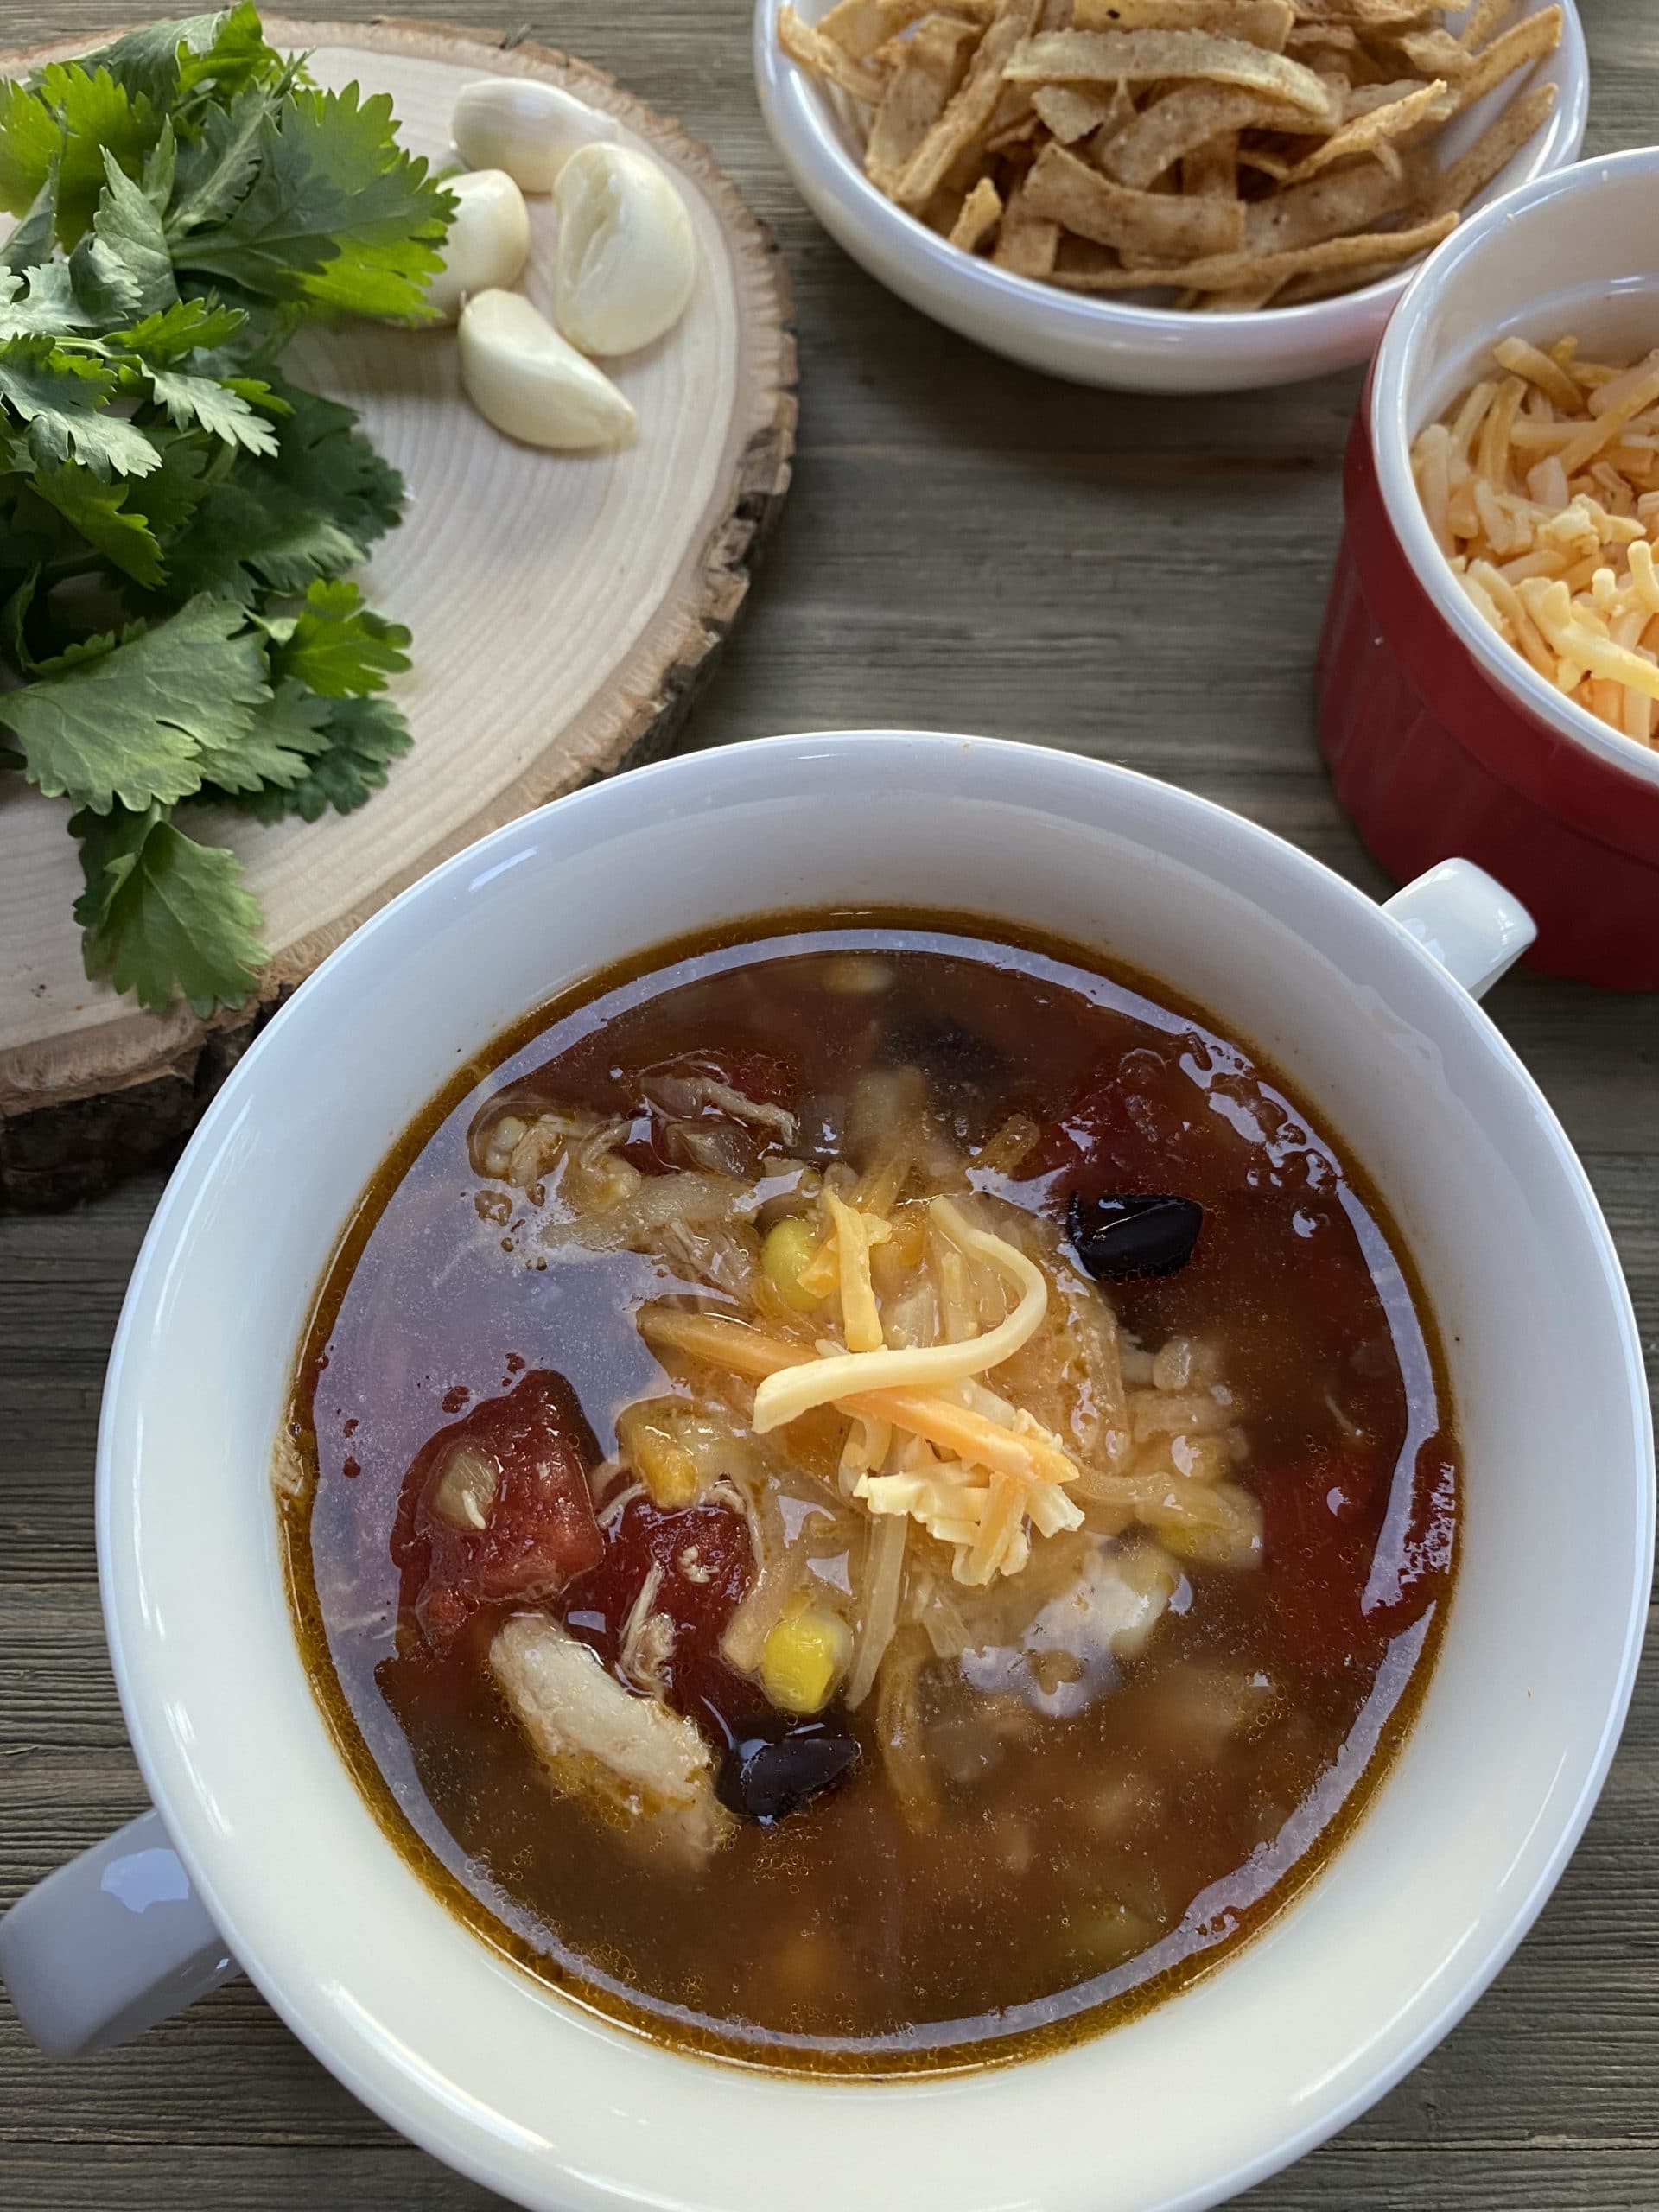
column 645, row 1439
column 790, row 1244
column 803, row 1658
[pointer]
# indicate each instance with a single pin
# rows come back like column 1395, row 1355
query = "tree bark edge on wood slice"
column 91, row 1126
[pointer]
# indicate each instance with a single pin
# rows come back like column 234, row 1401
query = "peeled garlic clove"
column 488, row 239
column 627, row 256
column 528, row 129
column 522, row 376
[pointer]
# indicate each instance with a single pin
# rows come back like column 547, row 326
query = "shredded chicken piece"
column 685, row 1094
column 647, row 1638
column 631, row 1757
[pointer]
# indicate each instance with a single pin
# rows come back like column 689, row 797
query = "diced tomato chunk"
column 524, row 1475
column 1145, row 1128
column 706, row 1562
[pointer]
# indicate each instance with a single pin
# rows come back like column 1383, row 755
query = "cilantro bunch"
column 177, row 518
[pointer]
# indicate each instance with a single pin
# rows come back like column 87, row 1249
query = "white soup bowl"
column 290, row 1872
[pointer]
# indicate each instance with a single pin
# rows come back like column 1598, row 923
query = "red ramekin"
column 1439, row 738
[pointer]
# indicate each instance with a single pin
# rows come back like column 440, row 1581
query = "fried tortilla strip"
column 972, row 105
column 1189, row 117
column 1435, row 53
column 1495, row 147
column 1017, row 134
column 1010, row 117
column 859, row 27
column 1334, row 284
column 1211, row 171
column 1370, row 15
column 1068, row 114
column 808, row 47
column 1323, row 208
column 1361, row 99
column 1152, row 57
column 1260, row 23
column 942, row 210
column 930, row 67
column 1321, row 38
column 1227, row 271
column 1026, row 244
column 1485, row 18
column 981, row 212
column 1083, row 257
column 1258, row 158
column 1168, row 225
column 1530, row 40
column 1367, row 134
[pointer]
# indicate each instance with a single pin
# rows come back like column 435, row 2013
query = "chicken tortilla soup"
column 867, row 1493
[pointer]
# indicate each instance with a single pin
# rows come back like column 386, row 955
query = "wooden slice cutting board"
column 564, row 607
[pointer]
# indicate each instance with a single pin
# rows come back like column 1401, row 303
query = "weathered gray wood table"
column 968, row 547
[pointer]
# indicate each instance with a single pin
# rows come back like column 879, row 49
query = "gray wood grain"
column 968, row 547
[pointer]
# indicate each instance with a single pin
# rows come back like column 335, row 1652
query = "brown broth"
column 1100, row 1859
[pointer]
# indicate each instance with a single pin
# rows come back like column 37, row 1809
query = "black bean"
column 1136, row 1235
column 767, row 1779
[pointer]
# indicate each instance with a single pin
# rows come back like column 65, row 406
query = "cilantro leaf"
column 186, row 327
column 239, row 55
column 30, row 137
column 164, row 60
column 214, row 173
column 99, row 511
column 337, row 213
column 126, row 721
column 30, row 244
column 33, row 537
column 161, row 165
column 338, row 646
column 71, row 116
column 312, row 509
column 289, row 729
column 215, row 407
column 163, row 916
column 363, row 736
column 175, row 491
column 102, row 288
column 122, row 266
column 44, row 303
column 62, row 398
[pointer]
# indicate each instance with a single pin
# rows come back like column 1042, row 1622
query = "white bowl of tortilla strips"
column 1163, row 195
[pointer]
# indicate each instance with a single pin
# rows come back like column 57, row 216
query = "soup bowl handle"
column 1467, row 920
column 109, row 1944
